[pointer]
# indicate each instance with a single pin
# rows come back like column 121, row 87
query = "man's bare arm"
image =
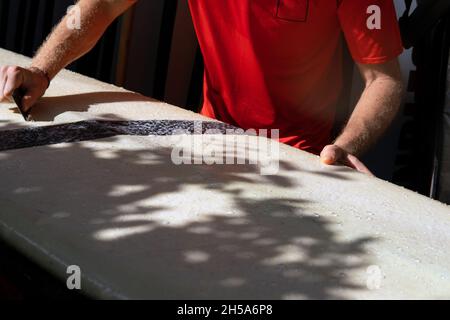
column 63, row 46
column 374, row 113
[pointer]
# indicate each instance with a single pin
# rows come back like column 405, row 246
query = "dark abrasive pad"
column 99, row 129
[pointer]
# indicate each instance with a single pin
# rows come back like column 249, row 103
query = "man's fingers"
column 358, row 165
column 3, row 80
column 331, row 154
column 14, row 77
column 11, row 78
column 14, row 80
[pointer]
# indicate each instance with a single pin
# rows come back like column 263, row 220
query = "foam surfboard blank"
column 141, row 226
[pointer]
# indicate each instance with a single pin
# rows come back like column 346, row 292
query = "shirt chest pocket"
column 292, row 10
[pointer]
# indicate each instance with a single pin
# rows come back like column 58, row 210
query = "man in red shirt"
column 269, row 64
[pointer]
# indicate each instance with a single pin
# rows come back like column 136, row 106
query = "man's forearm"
column 64, row 45
column 375, row 111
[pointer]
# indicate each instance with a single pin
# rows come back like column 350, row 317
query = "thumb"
column 29, row 99
column 331, row 154
column 28, row 102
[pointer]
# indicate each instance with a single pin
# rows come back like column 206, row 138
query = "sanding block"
column 18, row 95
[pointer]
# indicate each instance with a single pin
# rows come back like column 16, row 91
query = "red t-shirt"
column 277, row 64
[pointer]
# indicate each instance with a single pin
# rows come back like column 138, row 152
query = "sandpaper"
column 100, row 129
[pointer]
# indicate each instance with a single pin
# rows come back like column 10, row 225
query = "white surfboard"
column 138, row 225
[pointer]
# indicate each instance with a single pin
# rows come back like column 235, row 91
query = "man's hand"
column 333, row 154
column 33, row 81
column 375, row 111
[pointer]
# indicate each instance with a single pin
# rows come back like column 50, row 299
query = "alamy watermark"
column 374, row 20
column 73, row 281
column 374, row 277
column 73, row 17
column 232, row 147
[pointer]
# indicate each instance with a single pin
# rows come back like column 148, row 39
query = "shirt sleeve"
column 370, row 45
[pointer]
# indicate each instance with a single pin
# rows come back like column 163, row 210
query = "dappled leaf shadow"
column 151, row 229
